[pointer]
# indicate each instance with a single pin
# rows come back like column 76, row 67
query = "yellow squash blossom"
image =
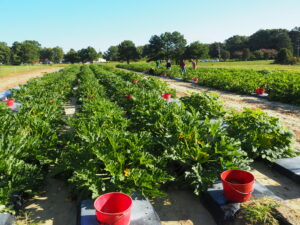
column 126, row 172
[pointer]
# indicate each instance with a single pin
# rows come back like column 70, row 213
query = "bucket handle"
column 243, row 193
column 119, row 218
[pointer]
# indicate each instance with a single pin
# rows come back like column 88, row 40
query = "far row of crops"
column 126, row 137
column 281, row 86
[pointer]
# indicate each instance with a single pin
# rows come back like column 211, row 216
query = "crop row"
column 280, row 85
column 103, row 154
column 30, row 139
column 189, row 145
column 125, row 137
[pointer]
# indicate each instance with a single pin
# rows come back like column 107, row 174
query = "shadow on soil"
column 53, row 207
column 272, row 105
column 286, row 189
column 181, row 205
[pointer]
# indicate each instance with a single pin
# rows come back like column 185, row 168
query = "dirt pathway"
column 279, row 184
column 15, row 79
column 289, row 115
column 51, row 208
column 181, row 207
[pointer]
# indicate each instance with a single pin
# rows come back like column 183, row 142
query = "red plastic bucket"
column 167, row 96
column 261, row 91
column 113, row 208
column 195, row 79
column 10, row 102
column 237, row 185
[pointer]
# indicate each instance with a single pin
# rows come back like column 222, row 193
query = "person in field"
column 152, row 71
column 157, row 63
column 194, row 64
column 183, row 67
column 168, row 65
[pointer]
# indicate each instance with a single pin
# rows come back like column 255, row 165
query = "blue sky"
column 102, row 23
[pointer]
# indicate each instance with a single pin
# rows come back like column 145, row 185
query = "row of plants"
column 30, row 138
column 281, row 86
column 261, row 134
column 126, row 137
column 102, row 153
column 195, row 143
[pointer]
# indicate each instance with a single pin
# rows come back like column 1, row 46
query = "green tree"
column 196, row 50
column 140, row 50
column 285, row 56
column 295, row 38
column 174, row 45
column 72, row 56
column 258, row 54
column 46, row 54
column 112, row 53
column 236, row 43
column 154, row 50
column 283, row 40
column 58, row 54
column 166, row 46
column 16, row 53
column 88, row 54
column 225, row 54
column 4, row 53
column 127, row 51
column 260, row 40
column 30, row 51
column 270, row 39
column 246, row 54
column 214, row 49
column 92, row 54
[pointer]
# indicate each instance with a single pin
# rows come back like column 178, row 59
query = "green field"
column 255, row 65
column 5, row 69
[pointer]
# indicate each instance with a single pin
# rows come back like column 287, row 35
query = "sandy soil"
column 280, row 185
column 289, row 115
column 181, row 208
column 53, row 207
column 15, row 79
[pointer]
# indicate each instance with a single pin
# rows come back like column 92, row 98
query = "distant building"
column 46, row 61
column 100, row 60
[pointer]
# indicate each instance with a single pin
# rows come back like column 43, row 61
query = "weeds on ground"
column 261, row 211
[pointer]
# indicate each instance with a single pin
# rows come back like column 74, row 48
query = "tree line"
column 28, row 52
column 263, row 44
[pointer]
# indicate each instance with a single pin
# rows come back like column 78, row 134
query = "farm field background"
column 131, row 124
column 9, row 69
column 127, row 121
column 254, row 65
column 281, row 85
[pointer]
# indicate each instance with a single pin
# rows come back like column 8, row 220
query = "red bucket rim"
column 98, row 198
column 253, row 178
